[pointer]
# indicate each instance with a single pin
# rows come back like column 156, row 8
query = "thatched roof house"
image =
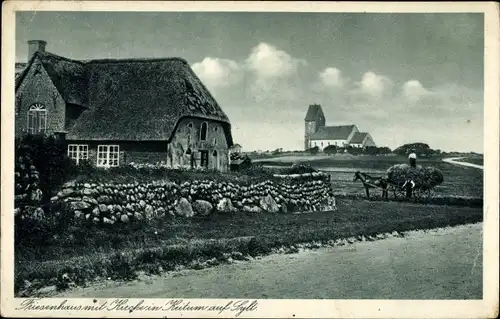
column 146, row 106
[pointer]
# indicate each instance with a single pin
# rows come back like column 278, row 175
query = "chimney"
column 34, row 46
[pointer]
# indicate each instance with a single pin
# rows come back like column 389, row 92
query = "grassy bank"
column 88, row 253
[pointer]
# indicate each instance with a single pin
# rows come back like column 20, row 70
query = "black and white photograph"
column 256, row 161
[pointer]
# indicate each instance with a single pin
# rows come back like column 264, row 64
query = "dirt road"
column 441, row 264
column 454, row 161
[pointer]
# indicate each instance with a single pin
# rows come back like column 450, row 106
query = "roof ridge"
column 133, row 60
column 111, row 60
column 58, row 56
column 342, row 125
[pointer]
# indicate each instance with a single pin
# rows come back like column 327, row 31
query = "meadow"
column 459, row 181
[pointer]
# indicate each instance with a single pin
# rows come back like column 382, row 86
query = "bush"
column 330, row 149
column 421, row 149
column 50, row 159
column 299, row 169
column 313, row 150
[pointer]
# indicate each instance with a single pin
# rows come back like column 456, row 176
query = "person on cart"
column 412, row 157
column 410, row 184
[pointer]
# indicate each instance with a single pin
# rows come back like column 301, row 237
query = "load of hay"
column 423, row 177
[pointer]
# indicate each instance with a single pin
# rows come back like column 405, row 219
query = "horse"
column 372, row 182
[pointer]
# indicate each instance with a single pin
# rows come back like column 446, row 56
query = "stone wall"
column 114, row 203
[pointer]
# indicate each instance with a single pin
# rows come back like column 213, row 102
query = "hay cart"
column 418, row 191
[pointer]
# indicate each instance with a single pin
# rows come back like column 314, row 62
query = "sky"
column 402, row 77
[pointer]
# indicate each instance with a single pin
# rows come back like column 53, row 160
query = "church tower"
column 313, row 121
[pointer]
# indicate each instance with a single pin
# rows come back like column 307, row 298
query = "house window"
column 78, row 152
column 37, row 119
column 215, row 128
column 108, row 155
column 215, row 141
column 203, row 131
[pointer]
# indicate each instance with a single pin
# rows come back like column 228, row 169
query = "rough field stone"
column 103, row 208
column 202, row 207
column 138, row 216
column 104, row 199
column 67, row 192
column 148, row 211
column 124, row 219
column 183, row 208
column 269, row 204
column 81, row 205
column 88, row 191
column 255, row 209
column 225, row 205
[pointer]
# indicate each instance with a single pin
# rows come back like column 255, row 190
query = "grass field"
column 474, row 160
column 89, row 250
column 458, row 181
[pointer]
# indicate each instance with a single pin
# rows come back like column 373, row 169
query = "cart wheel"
column 399, row 193
column 423, row 194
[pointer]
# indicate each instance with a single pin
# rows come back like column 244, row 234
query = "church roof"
column 314, row 112
column 358, row 138
column 131, row 99
column 341, row 132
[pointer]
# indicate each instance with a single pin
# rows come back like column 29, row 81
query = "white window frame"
column 108, row 155
column 78, row 152
column 37, row 113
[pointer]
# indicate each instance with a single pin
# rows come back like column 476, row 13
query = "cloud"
column 374, row 85
column 414, row 91
column 332, row 77
column 218, row 73
column 266, row 62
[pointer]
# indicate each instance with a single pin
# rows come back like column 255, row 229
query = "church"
column 320, row 135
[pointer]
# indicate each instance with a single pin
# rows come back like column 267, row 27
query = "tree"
column 371, row 150
column 330, row 149
column 313, row 150
column 421, row 149
column 384, row 150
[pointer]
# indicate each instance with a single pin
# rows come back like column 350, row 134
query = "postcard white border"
column 484, row 308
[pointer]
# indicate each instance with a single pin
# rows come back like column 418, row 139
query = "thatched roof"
column 333, row 132
column 314, row 112
column 67, row 75
column 358, row 138
column 132, row 99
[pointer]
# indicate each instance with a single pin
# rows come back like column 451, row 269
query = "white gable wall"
column 321, row 144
